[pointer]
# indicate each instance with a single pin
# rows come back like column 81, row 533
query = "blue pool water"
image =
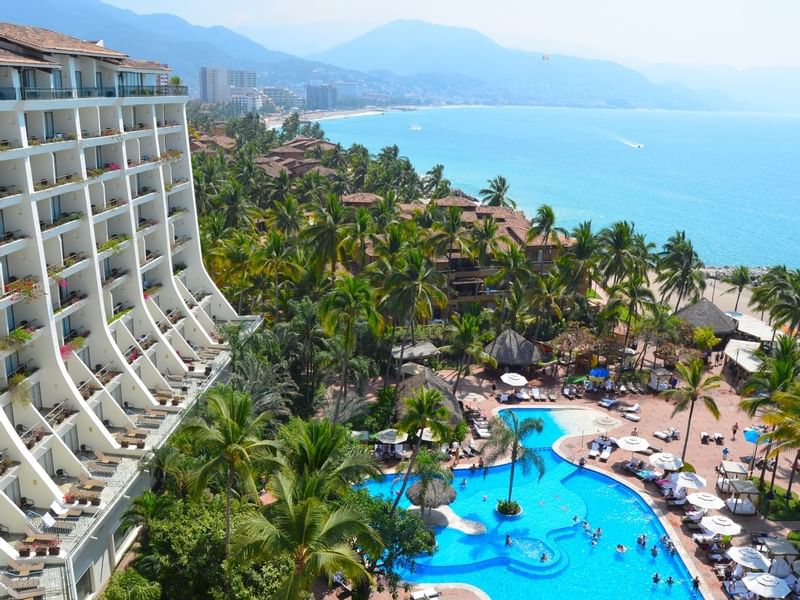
column 575, row 569
column 723, row 177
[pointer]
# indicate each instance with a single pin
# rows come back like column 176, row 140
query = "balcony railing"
column 72, row 258
column 65, row 217
column 8, row 190
column 36, row 93
column 113, row 275
column 11, row 236
column 113, row 203
column 154, row 90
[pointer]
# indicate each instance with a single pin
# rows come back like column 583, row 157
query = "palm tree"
column 738, row 279
column 324, row 235
column 448, row 236
column 286, row 215
column 507, row 437
column 486, row 240
column 497, row 193
column 316, row 535
column 694, row 388
column 634, row 296
column 545, row 292
column 424, row 410
column 785, row 420
column 412, row 290
column 659, row 325
column 785, row 309
column 772, row 283
column 144, row 512
column 234, row 203
column 349, row 303
column 430, row 472
column 232, row 438
column 275, row 259
column 680, row 269
column 545, row 231
column 466, row 342
column 356, row 235
column 581, row 257
column 622, row 250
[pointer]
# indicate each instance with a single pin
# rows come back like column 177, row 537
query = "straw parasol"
column 510, row 349
column 706, row 500
column 766, row 585
column 749, row 558
column 684, row 479
column 704, row 313
column 436, row 492
column 428, row 379
column 666, row 461
column 721, row 525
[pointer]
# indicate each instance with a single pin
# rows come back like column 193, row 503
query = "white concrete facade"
column 108, row 319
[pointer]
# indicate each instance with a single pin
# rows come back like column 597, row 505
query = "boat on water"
column 416, row 127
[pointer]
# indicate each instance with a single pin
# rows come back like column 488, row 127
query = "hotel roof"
column 15, row 59
column 45, row 40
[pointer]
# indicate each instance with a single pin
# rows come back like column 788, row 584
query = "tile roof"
column 143, row 65
column 361, row 198
column 45, row 40
column 14, row 59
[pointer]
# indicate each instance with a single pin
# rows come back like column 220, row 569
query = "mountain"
column 764, row 88
column 409, row 48
column 167, row 38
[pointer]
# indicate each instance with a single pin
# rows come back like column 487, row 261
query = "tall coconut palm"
column 545, row 292
column 496, row 194
column 412, row 290
column 581, row 257
column 785, row 309
column 356, row 235
column 144, row 512
column 545, row 231
column 349, row 303
column 286, row 215
column 785, row 435
column 317, row 536
column 486, row 240
column 467, row 343
column 424, row 410
column 693, row 388
column 633, row 295
column 507, row 438
column 680, row 270
column 324, row 235
column 770, row 285
column 738, row 279
column 231, row 436
column 235, row 204
column 622, row 250
column 659, row 325
column 448, row 236
column 275, row 259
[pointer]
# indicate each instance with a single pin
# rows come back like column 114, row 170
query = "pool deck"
column 655, row 415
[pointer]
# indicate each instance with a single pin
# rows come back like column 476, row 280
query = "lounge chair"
column 694, row 516
column 719, row 439
column 608, row 403
column 52, row 525
column 631, row 409
column 551, row 397
column 704, row 437
column 632, row 417
column 19, row 569
column 536, row 395
column 482, row 433
column 106, row 460
column 605, row 454
column 594, row 452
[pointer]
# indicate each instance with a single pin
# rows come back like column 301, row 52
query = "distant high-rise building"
column 248, row 99
column 241, row 79
column 321, row 97
column 284, row 98
column 214, row 85
column 346, row 89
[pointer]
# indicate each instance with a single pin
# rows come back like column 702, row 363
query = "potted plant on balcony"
column 24, row 550
column 69, row 498
column 176, row 401
column 140, row 444
column 162, row 401
column 54, row 549
column 95, row 501
column 41, row 550
column 26, row 288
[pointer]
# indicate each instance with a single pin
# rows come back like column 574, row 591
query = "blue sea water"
column 731, row 180
column 575, row 568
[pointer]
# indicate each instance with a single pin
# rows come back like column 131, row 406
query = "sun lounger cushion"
column 608, row 402
column 633, row 409
column 605, row 454
column 419, row 595
column 431, row 592
column 632, row 417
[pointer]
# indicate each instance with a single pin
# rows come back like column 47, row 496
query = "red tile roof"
column 14, row 59
column 45, row 40
column 143, row 65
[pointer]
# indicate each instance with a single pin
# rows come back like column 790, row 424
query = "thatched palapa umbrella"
column 510, row 349
column 431, row 494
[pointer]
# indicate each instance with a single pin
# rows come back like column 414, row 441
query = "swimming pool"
column 575, row 568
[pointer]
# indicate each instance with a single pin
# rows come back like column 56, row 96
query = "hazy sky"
column 636, row 32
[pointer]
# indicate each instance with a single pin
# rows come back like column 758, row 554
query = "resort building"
column 284, row 98
column 468, row 279
column 321, row 97
column 109, row 324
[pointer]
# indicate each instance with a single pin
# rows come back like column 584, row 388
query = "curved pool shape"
column 574, row 568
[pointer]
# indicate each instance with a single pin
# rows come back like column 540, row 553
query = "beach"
column 274, row 121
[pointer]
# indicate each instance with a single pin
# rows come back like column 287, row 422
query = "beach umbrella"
column 514, row 379
column 430, row 494
column 749, row 558
column 706, row 500
column 687, row 480
column 721, row 525
column 796, row 566
column 599, row 373
column 751, row 435
column 391, row 436
column 666, row 461
column 633, row 443
column 766, row 585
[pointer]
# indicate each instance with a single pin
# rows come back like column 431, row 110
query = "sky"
column 740, row 33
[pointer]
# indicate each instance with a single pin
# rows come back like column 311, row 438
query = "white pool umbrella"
column 706, row 500
column 391, row 436
column 721, row 525
column 766, row 585
column 514, row 379
column 687, row 480
column 666, row 461
column 749, row 558
column 633, row 443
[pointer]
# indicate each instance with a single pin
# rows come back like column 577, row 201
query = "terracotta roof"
column 143, row 65
column 456, row 201
column 49, row 41
column 361, row 198
column 14, row 59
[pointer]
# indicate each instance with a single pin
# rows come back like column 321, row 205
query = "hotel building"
column 109, row 324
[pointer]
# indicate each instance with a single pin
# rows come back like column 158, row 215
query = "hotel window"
column 78, row 79
column 84, row 585
column 49, row 125
column 10, row 321
column 9, row 410
column 46, row 460
column 56, row 206
column 12, row 491
column 58, row 82
column 98, row 79
column 119, row 536
column 28, row 78
column 36, row 395
column 70, row 438
column 4, row 262
column 539, row 255
column 83, row 354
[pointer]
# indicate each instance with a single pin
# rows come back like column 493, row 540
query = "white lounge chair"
column 482, row 433
column 606, row 454
column 431, row 592
column 663, row 435
column 632, row 417
column 594, row 452
column 418, row 595
column 631, row 409
column 536, row 395
column 704, row 437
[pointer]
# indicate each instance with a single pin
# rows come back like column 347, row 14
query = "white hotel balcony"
column 109, row 323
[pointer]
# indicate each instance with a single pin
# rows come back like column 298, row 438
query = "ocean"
column 731, row 180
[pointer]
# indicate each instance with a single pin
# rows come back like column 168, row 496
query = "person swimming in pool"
column 574, row 519
column 621, row 549
column 586, row 525
column 543, row 558
column 508, row 539
column 654, row 551
column 656, row 577
column 598, row 532
column 670, row 581
column 642, row 540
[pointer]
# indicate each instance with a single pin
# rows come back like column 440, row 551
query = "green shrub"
column 131, row 585
column 506, row 507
